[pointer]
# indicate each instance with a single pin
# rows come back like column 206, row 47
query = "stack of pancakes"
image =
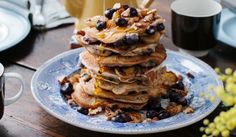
column 122, row 63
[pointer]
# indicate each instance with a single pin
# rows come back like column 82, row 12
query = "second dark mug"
column 7, row 101
column 195, row 25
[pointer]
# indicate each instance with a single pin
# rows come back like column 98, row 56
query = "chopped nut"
column 131, row 21
column 156, row 16
column 74, row 78
column 67, row 97
column 148, row 18
column 80, row 32
column 174, row 108
column 62, row 79
column 157, row 22
column 183, row 93
column 117, row 6
column 188, row 110
column 136, row 19
column 142, row 12
column 152, row 11
column 111, row 24
column 95, row 111
column 147, row 120
column 109, row 113
column 135, row 116
column 126, row 13
column 115, row 15
column 71, row 102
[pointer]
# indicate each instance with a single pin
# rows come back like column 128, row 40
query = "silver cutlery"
column 39, row 21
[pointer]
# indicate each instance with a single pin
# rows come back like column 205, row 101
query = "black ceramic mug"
column 195, row 25
column 7, row 101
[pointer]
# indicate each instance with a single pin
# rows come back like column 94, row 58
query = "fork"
column 39, row 21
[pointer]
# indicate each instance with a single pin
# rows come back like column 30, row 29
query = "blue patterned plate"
column 46, row 91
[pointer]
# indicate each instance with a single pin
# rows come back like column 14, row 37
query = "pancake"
column 123, row 88
column 154, row 59
column 128, row 50
column 87, row 101
column 90, row 88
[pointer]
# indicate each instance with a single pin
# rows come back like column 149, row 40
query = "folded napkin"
column 231, row 4
column 53, row 11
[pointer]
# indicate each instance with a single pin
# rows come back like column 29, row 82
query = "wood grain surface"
column 26, row 118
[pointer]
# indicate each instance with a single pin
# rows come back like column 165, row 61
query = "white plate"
column 13, row 28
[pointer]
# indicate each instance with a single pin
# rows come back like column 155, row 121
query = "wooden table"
column 26, row 118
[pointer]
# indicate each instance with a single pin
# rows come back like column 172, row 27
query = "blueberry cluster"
column 153, row 29
column 129, row 39
column 175, row 96
column 121, row 22
column 121, row 117
column 154, row 109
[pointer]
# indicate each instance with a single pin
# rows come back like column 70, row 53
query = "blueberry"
column 179, row 85
column 101, row 25
column 163, row 114
column 119, row 43
column 133, row 12
column 121, row 22
column 90, row 41
column 132, row 39
column 66, row 88
column 151, row 114
column 148, row 52
column 150, row 30
column 154, row 105
column 125, row 7
column 121, row 117
column 189, row 75
column 174, row 96
column 165, row 96
column 160, row 27
column 183, row 101
column 82, row 110
column 109, row 13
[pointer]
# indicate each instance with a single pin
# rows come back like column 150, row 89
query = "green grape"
column 230, row 80
column 206, row 121
column 234, row 74
column 228, row 71
column 215, row 132
column 208, row 131
column 225, row 133
column 212, row 125
column 226, row 120
column 217, row 70
column 202, row 129
column 223, row 77
column 230, row 125
column 217, row 120
column 220, row 127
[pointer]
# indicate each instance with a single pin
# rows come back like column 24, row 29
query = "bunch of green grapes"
column 226, row 120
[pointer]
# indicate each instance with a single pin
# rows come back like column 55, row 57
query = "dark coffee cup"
column 195, row 25
column 7, row 101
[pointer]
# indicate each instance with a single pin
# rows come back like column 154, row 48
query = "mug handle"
column 13, row 99
column 146, row 3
